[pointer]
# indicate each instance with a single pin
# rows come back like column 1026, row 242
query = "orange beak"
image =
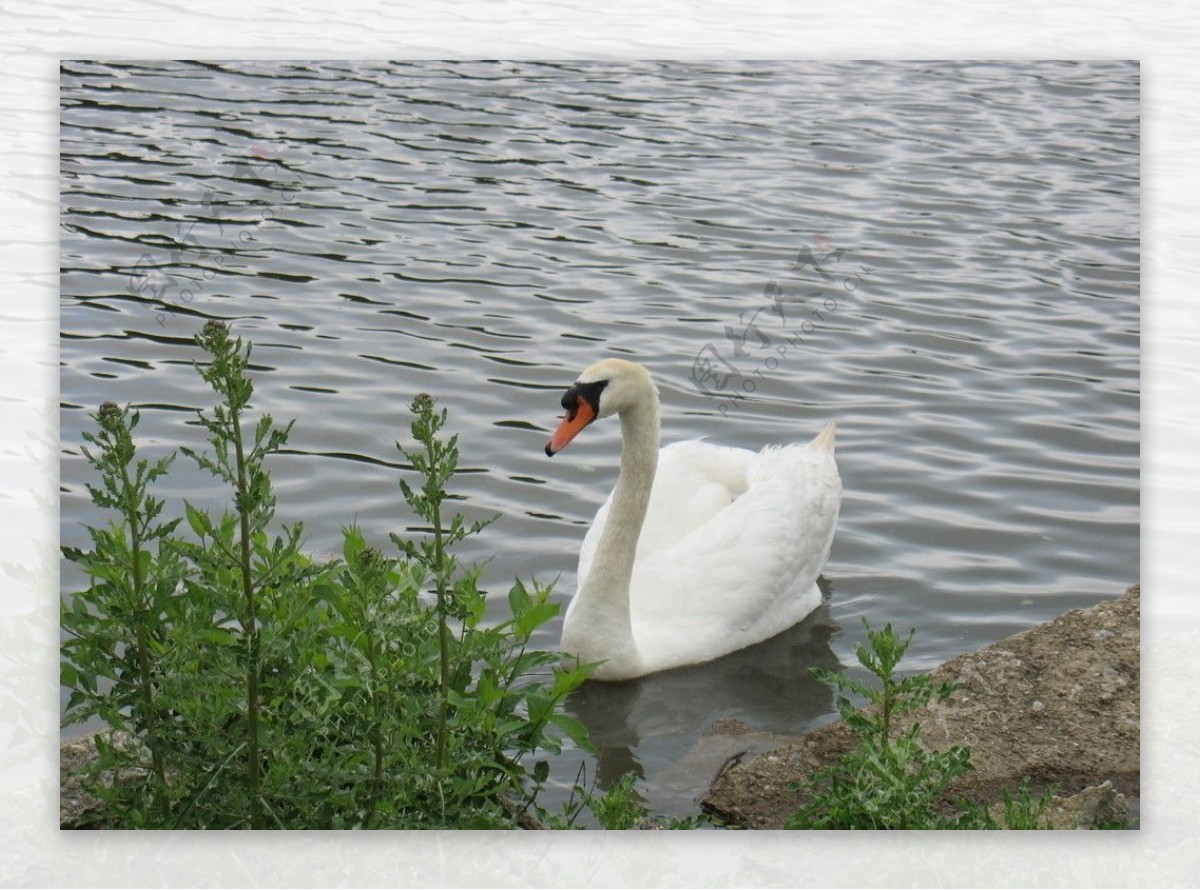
column 571, row 424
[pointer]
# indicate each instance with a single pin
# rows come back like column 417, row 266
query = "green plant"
column 255, row 687
column 241, row 572
column 488, row 678
column 618, row 808
column 884, row 782
column 1024, row 812
column 118, row 628
column 1019, row 812
column 895, row 783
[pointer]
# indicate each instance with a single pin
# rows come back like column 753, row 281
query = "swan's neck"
column 601, row 626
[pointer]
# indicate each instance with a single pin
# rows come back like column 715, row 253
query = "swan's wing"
column 694, row 481
column 743, row 574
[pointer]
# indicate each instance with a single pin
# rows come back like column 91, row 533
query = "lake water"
column 943, row 256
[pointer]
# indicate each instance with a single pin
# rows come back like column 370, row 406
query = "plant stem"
column 886, row 706
column 249, row 627
column 377, row 733
column 439, row 554
column 142, row 615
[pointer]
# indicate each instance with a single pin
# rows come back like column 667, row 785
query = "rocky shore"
column 1057, row 704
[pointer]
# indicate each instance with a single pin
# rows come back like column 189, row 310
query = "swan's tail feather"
column 824, row 439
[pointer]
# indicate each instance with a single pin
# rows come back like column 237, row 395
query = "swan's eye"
column 588, row 393
column 570, row 402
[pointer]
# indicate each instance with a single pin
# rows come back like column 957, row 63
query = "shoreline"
column 1057, row 704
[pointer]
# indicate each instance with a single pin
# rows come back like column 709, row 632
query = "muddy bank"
column 1057, row 704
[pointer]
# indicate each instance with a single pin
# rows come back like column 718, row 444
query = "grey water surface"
column 942, row 256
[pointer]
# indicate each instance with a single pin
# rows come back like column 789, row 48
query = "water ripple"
column 483, row 231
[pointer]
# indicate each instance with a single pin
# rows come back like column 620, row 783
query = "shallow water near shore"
column 942, row 256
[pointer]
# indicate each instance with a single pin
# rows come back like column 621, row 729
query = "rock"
column 1056, row 704
column 1095, row 807
column 75, row 806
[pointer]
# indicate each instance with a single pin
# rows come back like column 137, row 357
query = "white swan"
column 700, row 550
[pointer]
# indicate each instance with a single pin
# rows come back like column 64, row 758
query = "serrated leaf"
column 197, row 519
column 575, row 731
column 221, row 636
column 519, row 599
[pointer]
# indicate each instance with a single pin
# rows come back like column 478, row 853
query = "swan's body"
column 700, row 550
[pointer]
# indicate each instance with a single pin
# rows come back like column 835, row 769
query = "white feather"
column 728, row 554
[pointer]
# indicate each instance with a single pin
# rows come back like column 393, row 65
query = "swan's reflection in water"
column 657, row 725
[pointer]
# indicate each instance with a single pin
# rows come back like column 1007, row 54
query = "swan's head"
column 606, row 388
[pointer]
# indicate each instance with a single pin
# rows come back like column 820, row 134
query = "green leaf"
column 198, row 520
column 144, row 560
column 221, row 636
column 519, row 599
column 534, row 617
column 68, row 675
column 575, row 731
column 353, row 543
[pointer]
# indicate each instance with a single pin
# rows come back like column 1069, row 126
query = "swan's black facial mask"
column 587, row 392
column 582, row 404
